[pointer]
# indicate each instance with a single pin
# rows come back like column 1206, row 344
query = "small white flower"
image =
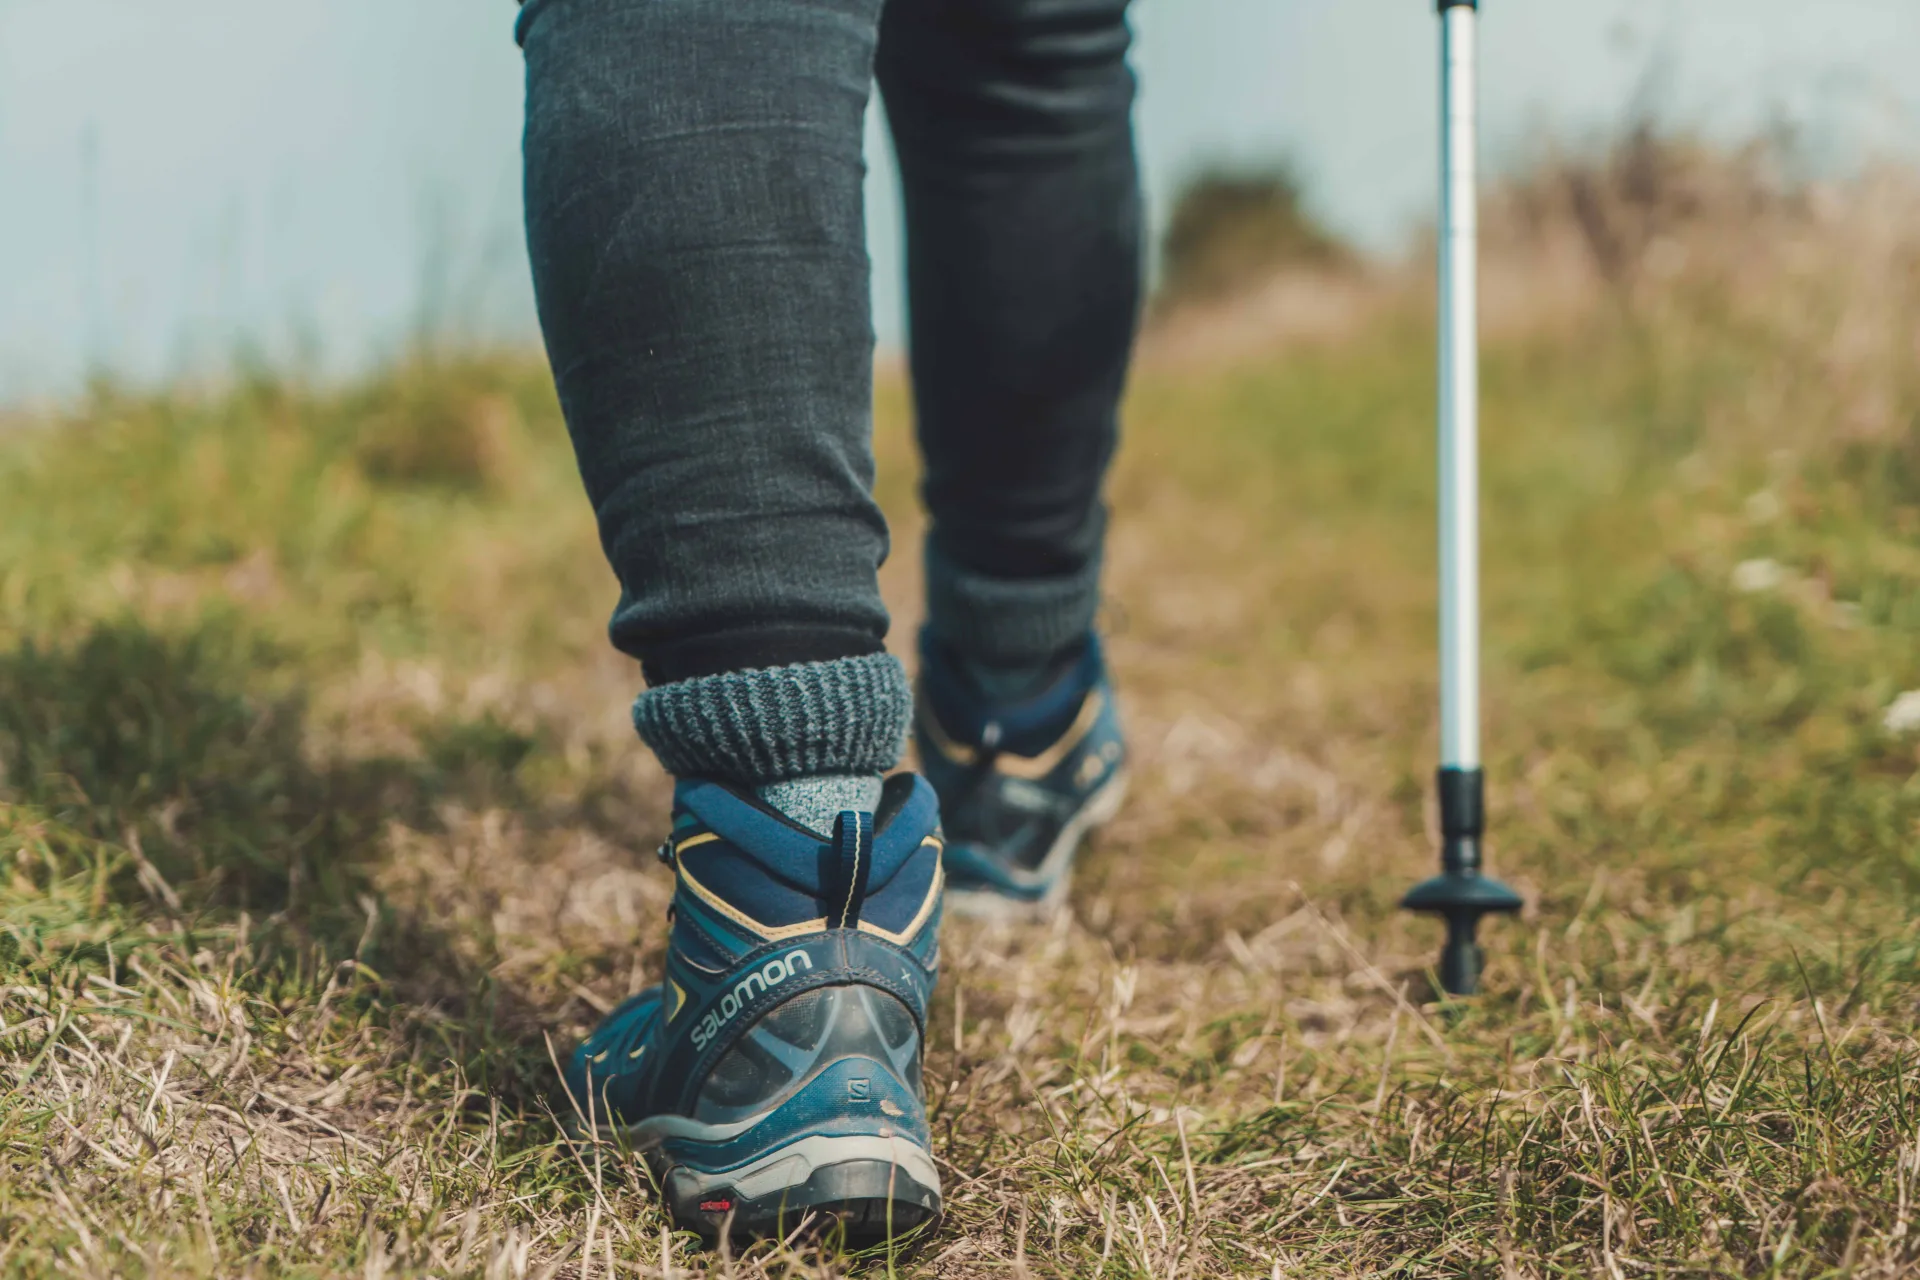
column 1903, row 713
column 1758, row 575
column 1763, row 507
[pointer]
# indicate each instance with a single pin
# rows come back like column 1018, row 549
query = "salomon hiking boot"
column 774, row 1078
column 1020, row 783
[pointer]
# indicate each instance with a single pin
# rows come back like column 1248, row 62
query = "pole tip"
column 1462, row 893
column 1461, row 898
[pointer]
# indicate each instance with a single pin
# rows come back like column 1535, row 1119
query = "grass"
column 321, row 826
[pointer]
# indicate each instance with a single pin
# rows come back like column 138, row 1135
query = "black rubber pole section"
column 1460, row 894
column 1463, row 819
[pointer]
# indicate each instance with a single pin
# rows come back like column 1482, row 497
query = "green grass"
column 320, row 815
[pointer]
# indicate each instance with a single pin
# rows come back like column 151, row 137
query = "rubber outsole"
column 970, row 903
column 822, row 1188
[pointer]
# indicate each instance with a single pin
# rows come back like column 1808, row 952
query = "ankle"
column 815, row 802
column 1010, row 683
column 1023, row 706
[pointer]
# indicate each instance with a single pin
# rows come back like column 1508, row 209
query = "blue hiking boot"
column 1020, row 784
column 774, row 1078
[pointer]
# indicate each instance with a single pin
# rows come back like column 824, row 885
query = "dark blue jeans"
column 695, row 218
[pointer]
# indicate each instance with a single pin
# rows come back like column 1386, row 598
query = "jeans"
column 695, row 220
column 694, row 210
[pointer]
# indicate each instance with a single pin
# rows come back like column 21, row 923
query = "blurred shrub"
column 1234, row 228
column 434, row 434
column 1642, row 195
column 1693, row 241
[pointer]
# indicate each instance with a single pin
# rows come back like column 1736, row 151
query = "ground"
column 324, row 829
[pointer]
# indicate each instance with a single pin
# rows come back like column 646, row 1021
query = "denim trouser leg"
column 694, row 216
column 1013, row 124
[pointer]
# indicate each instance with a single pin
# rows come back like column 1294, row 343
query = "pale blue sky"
column 307, row 180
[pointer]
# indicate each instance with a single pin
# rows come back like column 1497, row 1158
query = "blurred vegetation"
column 1233, row 228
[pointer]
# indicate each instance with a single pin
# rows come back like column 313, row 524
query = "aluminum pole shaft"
column 1462, row 893
column 1459, row 395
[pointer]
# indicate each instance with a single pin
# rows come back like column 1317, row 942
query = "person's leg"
column 694, row 215
column 693, row 195
column 1013, row 122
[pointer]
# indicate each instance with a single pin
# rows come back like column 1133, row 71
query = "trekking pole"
column 1460, row 894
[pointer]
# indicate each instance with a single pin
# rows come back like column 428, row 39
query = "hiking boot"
column 1020, row 783
column 774, row 1078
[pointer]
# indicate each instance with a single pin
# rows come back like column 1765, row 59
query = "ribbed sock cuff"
column 750, row 728
column 1009, row 621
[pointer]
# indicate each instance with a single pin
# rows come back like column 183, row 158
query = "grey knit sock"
column 847, row 717
column 815, row 803
column 1013, row 622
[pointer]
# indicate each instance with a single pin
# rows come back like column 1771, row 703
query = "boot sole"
column 864, row 1190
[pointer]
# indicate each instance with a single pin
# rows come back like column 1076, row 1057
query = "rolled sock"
column 1009, row 620
column 814, row 803
column 842, row 718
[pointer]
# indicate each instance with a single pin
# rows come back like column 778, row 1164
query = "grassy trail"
column 320, row 815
